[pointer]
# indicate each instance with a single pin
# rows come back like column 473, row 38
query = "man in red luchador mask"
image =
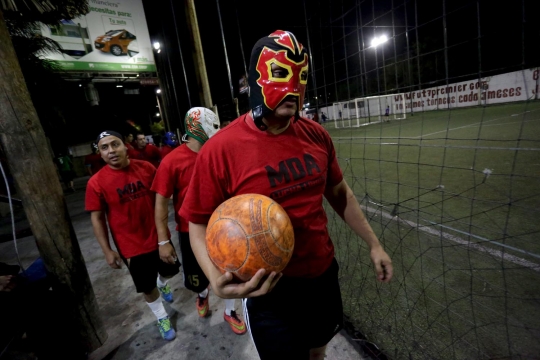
column 273, row 151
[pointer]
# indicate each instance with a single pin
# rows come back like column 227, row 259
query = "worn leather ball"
column 247, row 233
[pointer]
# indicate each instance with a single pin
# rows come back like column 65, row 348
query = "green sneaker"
column 165, row 329
column 166, row 293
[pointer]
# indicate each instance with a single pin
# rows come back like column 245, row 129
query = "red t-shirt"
column 173, row 177
column 126, row 198
column 95, row 161
column 165, row 150
column 294, row 168
column 150, row 153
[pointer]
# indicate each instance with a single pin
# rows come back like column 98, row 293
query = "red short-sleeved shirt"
column 129, row 204
column 173, row 177
column 294, row 168
column 165, row 150
column 150, row 153
column 95, row 161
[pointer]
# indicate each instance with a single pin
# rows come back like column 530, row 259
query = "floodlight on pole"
column 156, row 45
column 158, row 91
column 378, row 40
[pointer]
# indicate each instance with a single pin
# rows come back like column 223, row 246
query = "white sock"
column 161, row 281
column 158, row 309
column 204, row 293
column 229, row 306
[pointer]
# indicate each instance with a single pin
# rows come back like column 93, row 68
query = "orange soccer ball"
column 247, row 233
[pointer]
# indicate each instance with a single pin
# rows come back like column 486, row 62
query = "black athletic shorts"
column 298, row 315
column 144, row 270
column 194, row 278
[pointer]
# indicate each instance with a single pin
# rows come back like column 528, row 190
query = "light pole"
column 160, row 113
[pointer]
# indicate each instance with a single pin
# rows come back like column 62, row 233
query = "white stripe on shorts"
column 246, row 320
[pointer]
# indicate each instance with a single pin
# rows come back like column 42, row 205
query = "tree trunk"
column 25, row 147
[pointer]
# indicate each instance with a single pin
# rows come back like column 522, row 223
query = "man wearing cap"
column 120, row 192
column 273, row 151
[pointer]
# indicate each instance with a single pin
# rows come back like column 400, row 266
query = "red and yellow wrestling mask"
column 278, row 69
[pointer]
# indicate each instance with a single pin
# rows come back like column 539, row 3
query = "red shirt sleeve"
column 94, row 198
column 335, row 176
column 207, row 189
column 163, row 183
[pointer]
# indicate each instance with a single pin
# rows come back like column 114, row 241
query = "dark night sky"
column 336, row 26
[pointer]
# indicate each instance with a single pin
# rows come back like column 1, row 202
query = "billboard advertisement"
column 113, row 36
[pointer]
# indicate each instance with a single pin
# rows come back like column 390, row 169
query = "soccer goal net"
column 373, row 109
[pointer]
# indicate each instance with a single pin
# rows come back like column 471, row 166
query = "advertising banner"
column 113, row 36
column 515, row 86
column 503, row 88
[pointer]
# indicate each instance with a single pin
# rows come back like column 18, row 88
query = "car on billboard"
column 133, row 48
column 115, row 42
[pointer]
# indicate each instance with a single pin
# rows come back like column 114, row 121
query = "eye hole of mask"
column 279, row 72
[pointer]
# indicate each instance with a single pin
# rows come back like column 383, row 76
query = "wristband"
column 164, row 242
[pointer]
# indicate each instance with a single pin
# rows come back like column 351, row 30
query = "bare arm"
column 166, row 251
column 343, row 201
column 162, row 217
column 221, row 283
column 100, row 231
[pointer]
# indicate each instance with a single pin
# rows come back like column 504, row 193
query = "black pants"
column 298, row 315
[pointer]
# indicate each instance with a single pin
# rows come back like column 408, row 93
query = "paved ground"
column 130, row 325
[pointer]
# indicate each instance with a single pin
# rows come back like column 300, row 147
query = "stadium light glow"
column 378, row 40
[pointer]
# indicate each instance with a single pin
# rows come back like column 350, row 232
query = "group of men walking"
column 270, row 150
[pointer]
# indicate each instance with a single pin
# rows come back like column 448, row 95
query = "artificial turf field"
column 455, row 198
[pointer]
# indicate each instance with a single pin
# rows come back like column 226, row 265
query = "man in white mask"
column 173, row 178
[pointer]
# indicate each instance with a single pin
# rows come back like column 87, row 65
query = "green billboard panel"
column 113, row 36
